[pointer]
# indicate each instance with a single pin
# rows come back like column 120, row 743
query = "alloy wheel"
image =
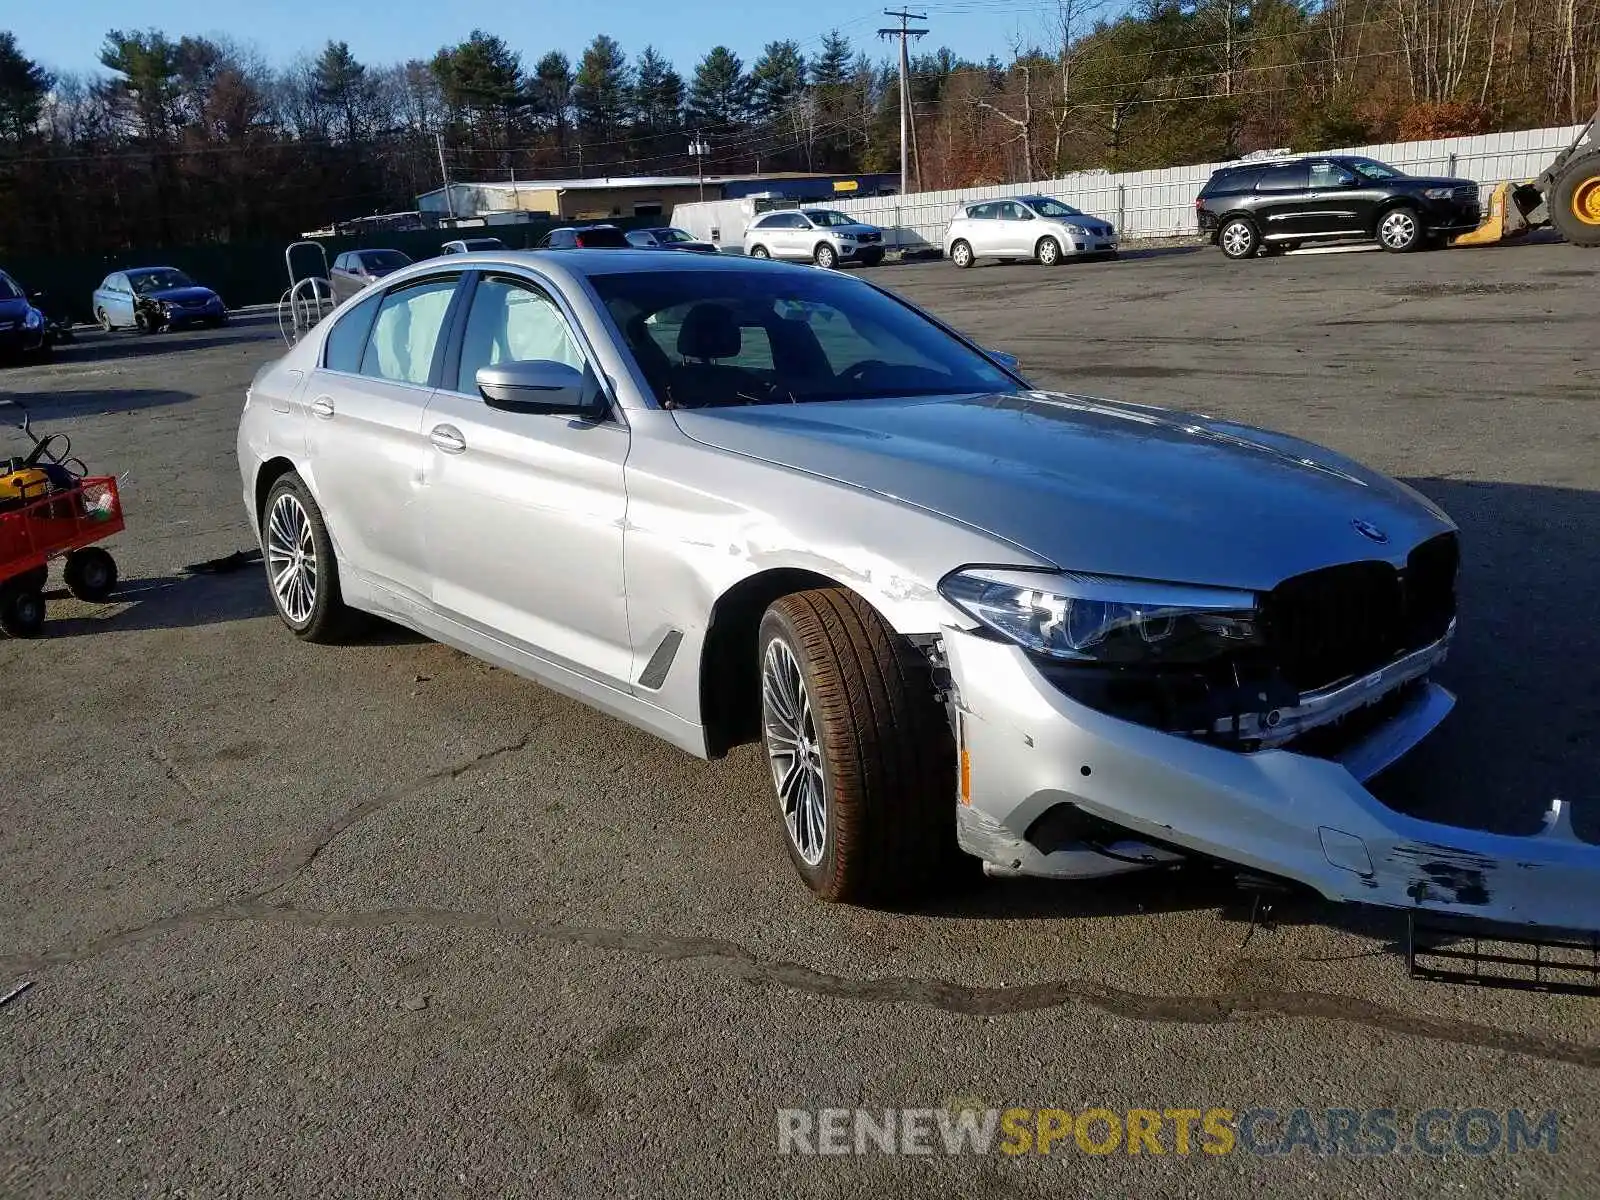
column 794, row 751
column 292, row 559
column 1236, row 239
column 1399, row 229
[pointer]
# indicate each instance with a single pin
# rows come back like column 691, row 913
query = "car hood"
column 180, row 295
column 1092, row 224
column 856, row 228
column 13, row 308
column 1096, row 486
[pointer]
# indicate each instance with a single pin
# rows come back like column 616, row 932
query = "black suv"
column 1275, row 204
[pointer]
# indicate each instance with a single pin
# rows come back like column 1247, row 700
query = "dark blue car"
column 152, row 298
column 23, row 328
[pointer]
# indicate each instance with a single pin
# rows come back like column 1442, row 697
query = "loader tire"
column 1575, row 201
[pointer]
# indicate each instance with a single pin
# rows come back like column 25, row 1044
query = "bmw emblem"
column 1368, row 530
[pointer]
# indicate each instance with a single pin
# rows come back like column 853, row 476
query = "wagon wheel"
column 21, row 608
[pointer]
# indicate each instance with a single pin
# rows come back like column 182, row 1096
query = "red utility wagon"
column 62, row 523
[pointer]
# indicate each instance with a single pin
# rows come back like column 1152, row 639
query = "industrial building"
column 636, row 196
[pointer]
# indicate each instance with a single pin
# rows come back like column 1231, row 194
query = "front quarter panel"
column 701, row 520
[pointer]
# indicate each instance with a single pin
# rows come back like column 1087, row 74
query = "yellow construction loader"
column 1566, row 195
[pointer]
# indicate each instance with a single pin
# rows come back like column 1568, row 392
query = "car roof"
column 142, row 270
column 571, row 265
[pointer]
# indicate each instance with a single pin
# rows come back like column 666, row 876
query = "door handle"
column 322, row 407
column 448, row 438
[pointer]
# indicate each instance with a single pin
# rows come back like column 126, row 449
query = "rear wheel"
column 104, row 318
column 961, row 254
column 301, row 571
column 863, row 763
column 1575, row 201
column 1400, row 230
column 1238, row 238
column 1048, row 252
column 90, row 574
column 21, row 609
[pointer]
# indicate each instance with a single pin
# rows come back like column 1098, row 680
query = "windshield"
column 1047, row 207
column 384, row 260
column 827, row 218
column 1373, row 169
column 669, row 236
column 709, row 338
column 8, row 289
column 159, row 280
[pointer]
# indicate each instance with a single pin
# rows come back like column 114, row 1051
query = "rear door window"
column 347, row 339
column 405, row 335
column 1290, row 177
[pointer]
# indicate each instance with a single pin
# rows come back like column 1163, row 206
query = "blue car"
column 153, row 298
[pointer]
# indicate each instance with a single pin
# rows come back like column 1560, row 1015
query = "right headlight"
column 1105, row 619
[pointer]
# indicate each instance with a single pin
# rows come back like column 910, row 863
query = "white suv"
column 1035, row 227
column 818, row 235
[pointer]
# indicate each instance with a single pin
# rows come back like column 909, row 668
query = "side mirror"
column 537, row 386
column 1009, row 361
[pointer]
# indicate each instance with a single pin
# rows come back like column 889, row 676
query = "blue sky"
column 394, row 30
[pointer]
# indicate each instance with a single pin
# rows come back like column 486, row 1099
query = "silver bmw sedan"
column 736, row 501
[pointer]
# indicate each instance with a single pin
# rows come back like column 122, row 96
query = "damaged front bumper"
column 1030, row 755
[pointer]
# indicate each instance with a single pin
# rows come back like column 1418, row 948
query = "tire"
column 307, row 598
column 759, row 252
column 825, row 257
column 1400, row 229
column 90, row 574
column 21, row 609
column 104, row 318
column 961, row 254
column 144, row 324
column 1239, row 238
column 1048, row 252
column 1575, row 201
column 880, row 756
column 217, row 322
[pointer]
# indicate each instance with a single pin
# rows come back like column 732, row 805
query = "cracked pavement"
column 382, row 920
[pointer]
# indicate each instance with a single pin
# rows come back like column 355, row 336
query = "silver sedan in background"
column 1034, row 227
column 733, row 501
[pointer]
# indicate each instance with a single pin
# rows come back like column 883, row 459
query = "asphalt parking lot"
column 381, row 920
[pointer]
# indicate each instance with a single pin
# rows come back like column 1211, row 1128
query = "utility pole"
column 444, row 172
column 698, row 149
column 907, row 127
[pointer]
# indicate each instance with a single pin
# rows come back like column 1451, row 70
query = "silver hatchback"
column 1027, row 227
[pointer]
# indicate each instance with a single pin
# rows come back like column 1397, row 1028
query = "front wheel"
column 825, row 258
column 301, row 571
column 1400, row 230
column 1048, row 252
column 1575, row 201
column 961, row 254
column 862, row 759
column 1238, row 238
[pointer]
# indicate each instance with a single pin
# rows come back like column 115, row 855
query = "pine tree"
column 720, row 94
column 657, row 94
column 552, row 94
column 777, row 78
column 339, row 83
column 602, row 91
column 23, row 87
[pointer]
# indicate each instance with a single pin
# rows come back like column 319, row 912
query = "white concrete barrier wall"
column 1148, row 204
